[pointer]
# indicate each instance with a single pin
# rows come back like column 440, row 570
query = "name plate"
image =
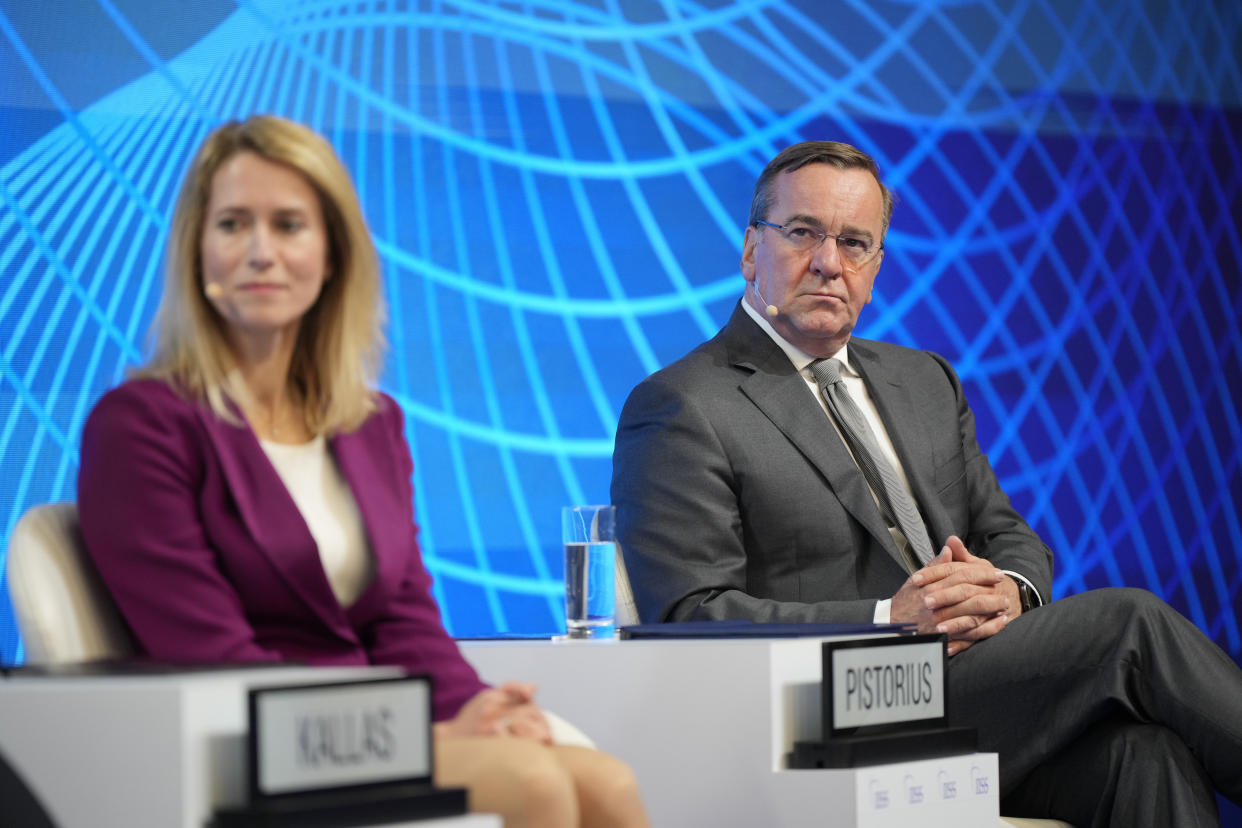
column 315, row 737
column 885, row 684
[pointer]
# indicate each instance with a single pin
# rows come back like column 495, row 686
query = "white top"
column 310, row 473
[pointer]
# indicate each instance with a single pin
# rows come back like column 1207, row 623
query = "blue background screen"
column 558, row 191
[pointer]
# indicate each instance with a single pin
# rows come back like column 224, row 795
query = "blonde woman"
column 247, row 495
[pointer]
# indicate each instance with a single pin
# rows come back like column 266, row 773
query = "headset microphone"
column 213, row 290
column 772, row 310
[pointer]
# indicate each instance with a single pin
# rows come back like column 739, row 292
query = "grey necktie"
column 895, row 502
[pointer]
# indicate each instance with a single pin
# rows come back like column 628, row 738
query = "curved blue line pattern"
column 557, row 190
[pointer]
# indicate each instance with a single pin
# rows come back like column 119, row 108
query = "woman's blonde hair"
column 340, row 342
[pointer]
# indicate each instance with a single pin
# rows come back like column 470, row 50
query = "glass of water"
column 589, row 535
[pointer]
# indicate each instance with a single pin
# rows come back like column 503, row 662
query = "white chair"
column 626, row 610
column 63, row 610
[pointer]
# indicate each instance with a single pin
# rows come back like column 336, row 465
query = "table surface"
column 706, row 724
column 158, row 749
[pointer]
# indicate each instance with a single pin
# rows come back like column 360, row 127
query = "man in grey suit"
column 784, row 471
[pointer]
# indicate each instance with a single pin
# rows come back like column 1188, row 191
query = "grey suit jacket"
column 737, row 499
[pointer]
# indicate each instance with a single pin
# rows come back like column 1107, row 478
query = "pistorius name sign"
column 885, row 681
column 885, row 699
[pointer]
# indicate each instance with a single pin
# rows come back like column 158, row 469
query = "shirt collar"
column 801, row 359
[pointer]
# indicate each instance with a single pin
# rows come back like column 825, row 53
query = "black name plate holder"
column 884, row 700
column 341, row 754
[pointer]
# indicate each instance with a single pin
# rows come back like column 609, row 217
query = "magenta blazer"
column 209, row 559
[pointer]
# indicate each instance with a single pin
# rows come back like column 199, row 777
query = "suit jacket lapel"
column 273, row 520
column 779, row 391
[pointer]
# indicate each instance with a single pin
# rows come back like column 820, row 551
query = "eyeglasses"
column 804, row 239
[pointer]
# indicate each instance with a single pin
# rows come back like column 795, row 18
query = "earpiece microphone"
column 213, row 290
column 772, row 310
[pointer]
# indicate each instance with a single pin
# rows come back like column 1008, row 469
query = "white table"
column 706, row 725
column 154, row 750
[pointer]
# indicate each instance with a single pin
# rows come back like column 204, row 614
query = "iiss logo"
column 880, row 799
column 979, row 781
column 947, row 785
column 914, row 791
